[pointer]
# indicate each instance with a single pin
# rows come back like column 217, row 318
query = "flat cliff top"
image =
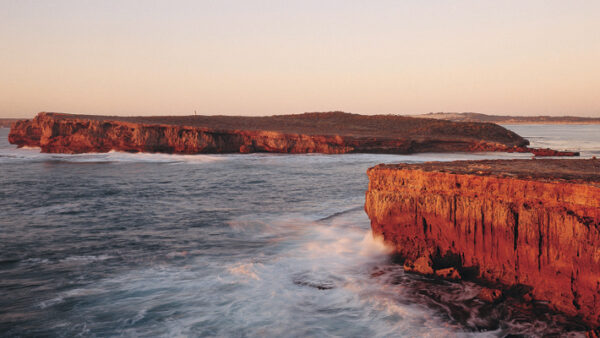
column 585, row 171
column 508, row 119
column 331, row 123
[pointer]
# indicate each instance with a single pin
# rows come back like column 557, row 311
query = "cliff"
column 333, row 133
column 528, row 225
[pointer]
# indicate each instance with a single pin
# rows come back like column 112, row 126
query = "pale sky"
column 251, row 57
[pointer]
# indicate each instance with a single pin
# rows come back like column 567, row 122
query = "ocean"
column 253, row 245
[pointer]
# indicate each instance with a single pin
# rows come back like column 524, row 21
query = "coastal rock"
column 421, row 265
column 331, row 133
column 489, row 295
column 552, row 152
column 530, row 225
column 448, row 273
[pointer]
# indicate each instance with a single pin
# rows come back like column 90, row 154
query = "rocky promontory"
column 334, row 133
column 528, row 226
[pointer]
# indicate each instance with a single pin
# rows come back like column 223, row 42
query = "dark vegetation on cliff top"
column 581, row 170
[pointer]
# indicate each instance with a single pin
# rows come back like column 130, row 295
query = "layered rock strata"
column 533, row 225
column 332, row 133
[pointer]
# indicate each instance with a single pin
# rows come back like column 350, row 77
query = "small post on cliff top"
column 195, row 113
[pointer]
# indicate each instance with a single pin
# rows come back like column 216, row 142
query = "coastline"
column 330, row 133
column 530, row 224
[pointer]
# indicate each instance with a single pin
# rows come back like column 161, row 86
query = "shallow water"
column 580, row 137
column 223, row 245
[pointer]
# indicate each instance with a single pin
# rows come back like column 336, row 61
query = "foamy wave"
column 35, row 261
column 86, row 259
column 308, row 281
column 62, row 297
column 33, row 154
column 62, row 208
column 374, row 245
column 167, row 158
column 245, row 269
column 50, row 302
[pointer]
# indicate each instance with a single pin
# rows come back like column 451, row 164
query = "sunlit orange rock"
column 529, row 223
column 332, row 133
column 448, row 273
column 489, row 295
column 421, row 265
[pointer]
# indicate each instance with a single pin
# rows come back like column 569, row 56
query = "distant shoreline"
column 547, row 123
column 506, row 119
column 6, row 122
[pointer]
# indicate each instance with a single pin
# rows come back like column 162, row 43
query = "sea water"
column 120, row 244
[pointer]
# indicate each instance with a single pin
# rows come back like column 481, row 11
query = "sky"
column 276, row 57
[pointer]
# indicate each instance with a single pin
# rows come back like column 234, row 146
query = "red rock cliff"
column 521, row 222
column 304, row 133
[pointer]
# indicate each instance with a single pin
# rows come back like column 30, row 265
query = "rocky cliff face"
column 332, row 133
column 534, row 224
column 80, row 136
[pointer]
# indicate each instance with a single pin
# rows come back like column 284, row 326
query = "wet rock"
column 552, row 152
column 489, row 295
column 421, row 265
column 309, row 279
column 534, row 225
column 448, row 273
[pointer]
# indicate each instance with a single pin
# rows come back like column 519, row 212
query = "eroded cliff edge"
column 334, row 132
column 534, row 224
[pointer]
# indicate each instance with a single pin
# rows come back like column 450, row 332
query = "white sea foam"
column 115, row 156
column 85, row 258
column 59, row 208
column 35, row 260
column 110, row 157
column 247, row 270
column 318, row 282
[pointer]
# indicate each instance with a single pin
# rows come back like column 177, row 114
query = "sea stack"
column 530, row 224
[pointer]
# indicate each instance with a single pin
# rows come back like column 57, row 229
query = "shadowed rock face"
column 531, row 224
column 333, row 133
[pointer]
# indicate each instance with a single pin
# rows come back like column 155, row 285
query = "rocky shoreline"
column 330, row 133
column 523, row 228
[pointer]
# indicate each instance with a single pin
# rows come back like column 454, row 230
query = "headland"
column 331, row 133
column 523, row 228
